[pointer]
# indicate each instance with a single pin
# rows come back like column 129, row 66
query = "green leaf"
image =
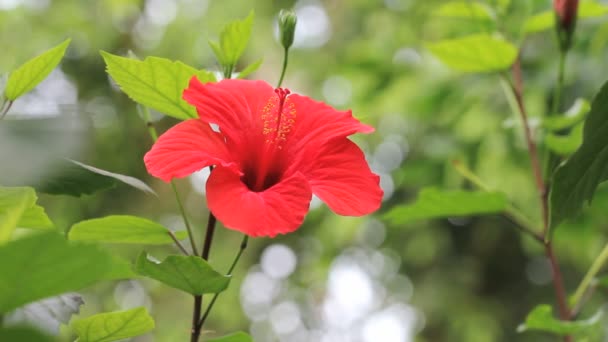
column 134, row 182
column 35, row 218
column 250, row 68
column 565, row 144
column 575, row 181
column 25, row 334
column 573, row 116
column 156, row 82
column 546, row 20
column 541, row 318
column 27, row 76
column 233, row 41
column 187, row 273
column 235, row 337
column 75, row 178
column 45, row 265
column 123, row 229
column 433, row 203
column 14, row 202
column 475, row 53
column 465, row 10
column 113, row 326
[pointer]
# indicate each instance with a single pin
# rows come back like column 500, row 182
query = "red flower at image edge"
column 273, row 151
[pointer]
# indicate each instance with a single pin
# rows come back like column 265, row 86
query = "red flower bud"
column 565, row 13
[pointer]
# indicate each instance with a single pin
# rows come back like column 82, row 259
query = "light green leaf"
column 187, row 273
column 45, row 265
column 250, row 68
column 14, row 202
column 475, row 53
column 546, row 20
column 433, row 203
column 573, row 116
column 113, row 326
column 236, row 337
column 541, row 318
column 575, row 181
column 156, row 82
column 35, row 218
column 565, row 144
column 233, row 41
column 466, row 10
column 123, row 229
column 27, row 76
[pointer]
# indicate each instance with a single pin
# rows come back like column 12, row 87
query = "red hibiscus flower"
column 273, row 151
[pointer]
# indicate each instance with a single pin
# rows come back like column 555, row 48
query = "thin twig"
column 184, row 217
column 5, row 109
column 597, row 265
column 229, row 273
column 177, row 243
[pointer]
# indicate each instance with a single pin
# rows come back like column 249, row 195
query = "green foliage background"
column 473, row 279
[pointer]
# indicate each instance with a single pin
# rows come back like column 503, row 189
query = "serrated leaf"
column 45, row 265
column 565, row 144
column 250, row 68
column 575, row 181
column 156, row 82
column 546, row 20
column 433, row 203
column 233, row 41
column 187, row 273
column 466, row 10
column 27, row 76
column 235, row 337
column 19, row 334
column 113, row 326
column 35, row 217
column 14, row 201
column 475, row 53
column 573, row 116
column 132, row 181
column 123, row 229
column 47, row 314
column 541, row 318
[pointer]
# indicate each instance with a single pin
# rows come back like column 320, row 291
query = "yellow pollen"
column 278, row 117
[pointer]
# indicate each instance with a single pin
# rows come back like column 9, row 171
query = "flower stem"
column 284, row 68
column 588, row 279
column 516, row 88
column 236, row 260
column 154, row 135
column 5, row 109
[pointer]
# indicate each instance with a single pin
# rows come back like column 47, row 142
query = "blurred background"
column 336, row 279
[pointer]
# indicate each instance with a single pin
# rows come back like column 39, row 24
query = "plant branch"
column 511, row 213
column 177, row 243
column 5, row 109
column 588, row 279
column 236, row 260
column 560, row 293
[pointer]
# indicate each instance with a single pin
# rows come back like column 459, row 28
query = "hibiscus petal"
column 232, row 104
column 316, row 122
column 340, row 176
column 277, row 210
column 185, row 148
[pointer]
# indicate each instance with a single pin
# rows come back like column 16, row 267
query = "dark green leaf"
column 123, row 229
column 23, row 334
column 45, row 265
column 113, row 326
column 575, row 181
column 475, row 53
column 14, row 201
column 155, row 82
column 27, row 76
column 541, row 318
column 187, row 273
column 433, row 203
column 235, row 337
